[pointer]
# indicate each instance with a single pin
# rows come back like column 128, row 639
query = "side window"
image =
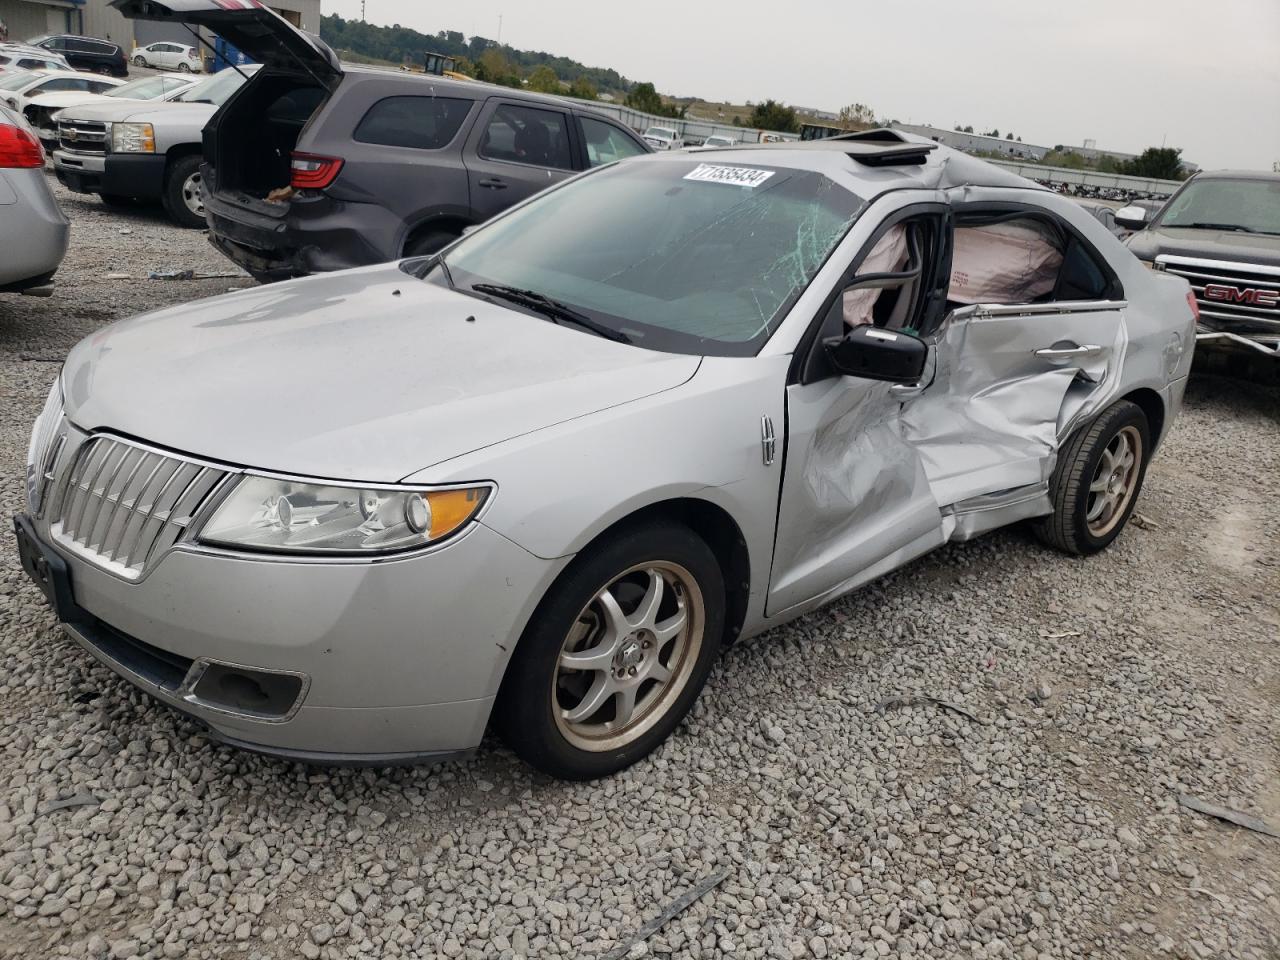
column 1023, row 259
column 605, row 143
column 521, row 134
column 97, row 86
column 60, row 86
column 423, row 123
column 894, row 283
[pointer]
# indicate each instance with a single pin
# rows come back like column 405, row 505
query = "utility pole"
column 362, row 17
column 499, row 29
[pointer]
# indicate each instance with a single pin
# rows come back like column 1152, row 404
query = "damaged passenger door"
column 856, row 500
column 1013, row 377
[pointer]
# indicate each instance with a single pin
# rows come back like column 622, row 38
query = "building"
column 96, row 18
column 976, row 142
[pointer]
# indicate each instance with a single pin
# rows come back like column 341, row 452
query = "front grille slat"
column 125, row 505
column 1232, row 315
column 82, row 136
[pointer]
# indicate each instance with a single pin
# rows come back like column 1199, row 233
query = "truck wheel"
column 615, row 655
column 1097, row 481
column 184, row 193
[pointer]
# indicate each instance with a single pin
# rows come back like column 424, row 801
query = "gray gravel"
column 1046, row 826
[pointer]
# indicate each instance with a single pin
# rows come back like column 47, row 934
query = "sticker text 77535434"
column 734, row 176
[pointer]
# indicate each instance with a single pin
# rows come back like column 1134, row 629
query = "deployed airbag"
column 1011, row 262
column 889, row 255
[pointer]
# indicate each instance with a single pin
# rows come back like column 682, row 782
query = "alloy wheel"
column 193, row 193
column 628, row 656
column 1114, row 481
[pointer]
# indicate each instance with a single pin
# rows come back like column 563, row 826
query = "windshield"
column 685, row 257
column 147, row 88
column 16, row 80
column 660, row 133
column 216, row 90
column 1250, row 206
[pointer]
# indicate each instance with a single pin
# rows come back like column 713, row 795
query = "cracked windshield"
column 685, row 256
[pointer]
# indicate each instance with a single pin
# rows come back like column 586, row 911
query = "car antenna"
column 214, row 50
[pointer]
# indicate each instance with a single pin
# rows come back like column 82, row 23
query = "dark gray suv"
column 315, row 165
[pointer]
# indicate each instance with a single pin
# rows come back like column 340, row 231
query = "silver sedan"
column 539, row 480
column 33, row 229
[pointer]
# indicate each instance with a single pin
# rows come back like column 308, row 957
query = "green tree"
column 968, row 128
column 464, row 66
column 644, row 97
column 583, row 89
column 1009, row 135
column 544, row 80
column 857, row 116
column 772, row 115
column 1163, row 163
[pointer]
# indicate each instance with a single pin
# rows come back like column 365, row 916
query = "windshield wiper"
column 1232, row 227
column 552, row 309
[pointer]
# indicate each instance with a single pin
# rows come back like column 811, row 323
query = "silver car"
column 33, row 229
column 539, row 480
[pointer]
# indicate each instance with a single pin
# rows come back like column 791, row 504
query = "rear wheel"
column 184, row 67
column 1096, row 483
column 616, row 654
column 184, row 193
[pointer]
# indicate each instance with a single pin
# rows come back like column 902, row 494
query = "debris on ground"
column 1230, row 816
column 894, row 703
column 1143, row 522
column 75, row 800
column 676, row 907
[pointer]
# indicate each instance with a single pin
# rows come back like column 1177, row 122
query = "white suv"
column 663, row 138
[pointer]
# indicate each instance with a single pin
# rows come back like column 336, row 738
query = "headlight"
column 288, row 516
column 133, row 138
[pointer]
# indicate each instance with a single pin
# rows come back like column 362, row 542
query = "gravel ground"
column 1038, row 820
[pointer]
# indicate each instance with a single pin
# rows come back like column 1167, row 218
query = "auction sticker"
column 734, row 176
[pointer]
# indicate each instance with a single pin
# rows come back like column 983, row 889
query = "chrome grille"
column 1230, row 311
column 121, row 505
column 82, row 136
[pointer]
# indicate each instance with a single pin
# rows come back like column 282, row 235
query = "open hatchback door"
column 249, row 25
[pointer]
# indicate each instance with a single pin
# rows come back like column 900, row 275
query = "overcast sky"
column 1204, row 76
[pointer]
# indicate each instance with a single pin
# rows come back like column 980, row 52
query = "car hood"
column 70, row 98
column 1252, row 248
column 366, row 375
column 115, row 110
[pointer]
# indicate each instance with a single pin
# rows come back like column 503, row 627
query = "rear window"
column 423, row 123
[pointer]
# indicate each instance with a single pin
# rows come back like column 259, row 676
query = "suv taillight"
column 19, row 149
column 313, row 172
column 1195, row 307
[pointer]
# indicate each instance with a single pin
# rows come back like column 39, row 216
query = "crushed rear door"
column 250, row 26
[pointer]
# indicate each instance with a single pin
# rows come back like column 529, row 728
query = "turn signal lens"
column 450, row 509
column 314, row 172
column 1195, row 307
column 19, row 150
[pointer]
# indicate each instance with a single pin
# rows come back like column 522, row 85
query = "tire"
column 429, row 242
column 1094, row 489
column 140, row 61
column 182, row 177
column 184, row 67
column 540, row 691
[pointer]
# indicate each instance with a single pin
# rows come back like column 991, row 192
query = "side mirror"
column 1132, row 218
column 874, row 354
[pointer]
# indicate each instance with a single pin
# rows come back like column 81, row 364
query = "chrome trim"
column 1268, row 271
column 986, row 310
column 1234, row 281
column 186, row 692
column 1252, row 314
column 1068, row 353
column 768, row 441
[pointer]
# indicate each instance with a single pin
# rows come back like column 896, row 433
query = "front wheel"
column 140, row 61
column 184, row 193
column 615, row 655
column 1096, row 483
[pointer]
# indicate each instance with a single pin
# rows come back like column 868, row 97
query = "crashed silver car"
column 539, row 480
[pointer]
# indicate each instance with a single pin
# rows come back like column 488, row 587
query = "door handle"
column 494, row 184
column 906, row 391
column 1068, row 353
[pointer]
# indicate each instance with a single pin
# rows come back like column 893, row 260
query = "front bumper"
column 121, row 175
column 1266, row 345
column 392, row 662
